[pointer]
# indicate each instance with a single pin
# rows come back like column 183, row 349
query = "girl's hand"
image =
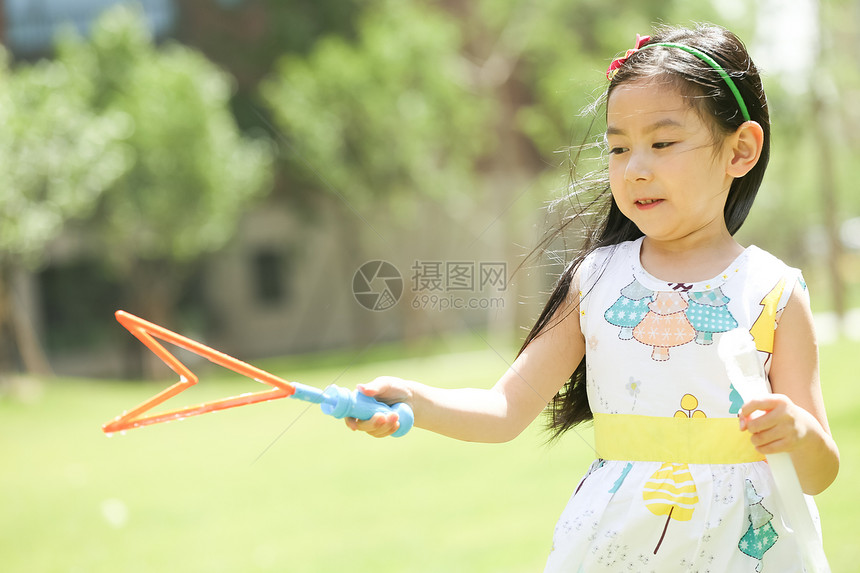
column 776, row 423
column 387, row 389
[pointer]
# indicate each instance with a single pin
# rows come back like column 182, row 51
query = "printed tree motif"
column 736, row 400
column 666, row 325
column 620, row 479
column 764, row 326
column 630, row 308
column 708, row 314
column 761, row 535
column 671, row 491
column 689, row 403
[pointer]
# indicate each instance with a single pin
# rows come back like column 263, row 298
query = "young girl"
column 680, row 483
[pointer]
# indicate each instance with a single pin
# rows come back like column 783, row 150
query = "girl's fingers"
column 763, row 413
column 379, row 426
column 775, row 423
column 773, row 442
column 386, row 389
column 765, row 437
column 368, row 389
column 767, row 404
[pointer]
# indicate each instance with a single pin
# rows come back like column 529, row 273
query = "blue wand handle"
column 341, row 403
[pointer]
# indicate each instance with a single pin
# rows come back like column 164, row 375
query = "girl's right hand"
column 387, row 389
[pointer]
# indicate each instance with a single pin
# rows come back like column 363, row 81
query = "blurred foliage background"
column 134, row 153
column 223, row 167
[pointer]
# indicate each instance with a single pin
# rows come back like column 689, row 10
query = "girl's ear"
column 746, row 146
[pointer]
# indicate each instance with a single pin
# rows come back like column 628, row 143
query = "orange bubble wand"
column 334, row 401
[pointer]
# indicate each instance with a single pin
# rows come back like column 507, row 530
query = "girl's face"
column 665, row 171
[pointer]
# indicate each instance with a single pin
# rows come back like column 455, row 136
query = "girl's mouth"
column 647, row 203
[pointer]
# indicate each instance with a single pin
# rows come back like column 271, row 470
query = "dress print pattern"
column 630, row 308
column 761, row 535
column 665, row 320
column 709, row 314
column 651, row 354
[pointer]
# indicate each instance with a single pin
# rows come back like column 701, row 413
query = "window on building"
column 78, row 302
column 270, row 271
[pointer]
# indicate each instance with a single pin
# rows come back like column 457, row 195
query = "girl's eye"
column 617, row 150
column 662, row 144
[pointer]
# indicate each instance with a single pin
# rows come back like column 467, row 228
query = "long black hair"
column 602, row 221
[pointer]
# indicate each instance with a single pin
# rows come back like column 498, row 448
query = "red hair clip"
column 618, row 62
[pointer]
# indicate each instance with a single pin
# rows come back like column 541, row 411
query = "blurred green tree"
column 451, row 101
column 806, row 197
column 246, row 38
column 58, row 156
column 388, row 113
column 190, row 171
column 145, row 143
column 388, row 120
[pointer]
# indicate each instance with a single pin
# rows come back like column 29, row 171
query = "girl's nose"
column 638, row 167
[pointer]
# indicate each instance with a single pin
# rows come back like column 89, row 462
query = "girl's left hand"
column 776, row 423
column 389, row 390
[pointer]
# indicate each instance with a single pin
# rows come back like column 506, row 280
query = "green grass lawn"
column 207, row 495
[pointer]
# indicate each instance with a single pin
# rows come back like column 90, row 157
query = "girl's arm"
column 795, row 419
column 500, row 413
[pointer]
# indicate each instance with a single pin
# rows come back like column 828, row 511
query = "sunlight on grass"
column 199, row 496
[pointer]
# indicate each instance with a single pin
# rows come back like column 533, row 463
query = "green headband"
column 713, row 63
column 641, row 44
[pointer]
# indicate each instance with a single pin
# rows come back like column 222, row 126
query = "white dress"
column 677, row 486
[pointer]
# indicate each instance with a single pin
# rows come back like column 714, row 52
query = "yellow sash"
column 676, row 440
